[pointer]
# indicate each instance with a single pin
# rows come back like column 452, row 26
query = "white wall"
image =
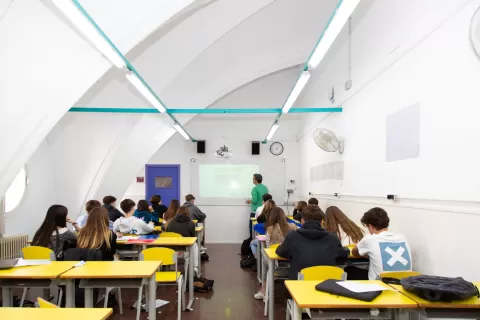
column 225, row 223
column 402, row 56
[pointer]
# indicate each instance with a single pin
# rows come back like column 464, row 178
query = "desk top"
column 44, row 271
column 113, row 269
column 55, row 313
column 198, row 229
column 261, row 237
column 166, row 241
column 471, row 303
column 306, row 296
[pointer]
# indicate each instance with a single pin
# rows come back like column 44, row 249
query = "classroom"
column 239, row 159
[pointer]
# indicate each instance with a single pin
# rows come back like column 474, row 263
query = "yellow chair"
column 317, row 273
column 42, row 303
column 168, row 258
column 37, row 253
column 399, row 274
column 170, row 235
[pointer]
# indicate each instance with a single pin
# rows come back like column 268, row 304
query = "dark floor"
column 231, row 297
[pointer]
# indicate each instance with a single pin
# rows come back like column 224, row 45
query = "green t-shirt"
column 257, row 192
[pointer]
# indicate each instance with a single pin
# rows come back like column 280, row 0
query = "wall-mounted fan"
column 327, row 140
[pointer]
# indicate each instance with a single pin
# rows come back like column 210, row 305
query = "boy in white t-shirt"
column 388, row 252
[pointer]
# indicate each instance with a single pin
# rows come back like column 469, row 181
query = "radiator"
column 11, row 246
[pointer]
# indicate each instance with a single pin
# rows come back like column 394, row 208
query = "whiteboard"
column 272, row 171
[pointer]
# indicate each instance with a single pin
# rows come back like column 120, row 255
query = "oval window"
column 475, row 32
column 15, row 192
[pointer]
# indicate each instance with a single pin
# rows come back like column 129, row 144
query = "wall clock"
column 276, row 148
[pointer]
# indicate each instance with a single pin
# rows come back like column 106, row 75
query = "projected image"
column 226, row 180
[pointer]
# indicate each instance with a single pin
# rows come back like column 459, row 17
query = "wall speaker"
column 255, row 148
column 201, row 146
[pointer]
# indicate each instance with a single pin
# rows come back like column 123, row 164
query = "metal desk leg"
column 89, row 297
column 297, row 312
column 199, row 245
column 271, row 292
column 190, row 278
column 70, row 293
column 259, row 262
column 152, row 297
column 7, row 298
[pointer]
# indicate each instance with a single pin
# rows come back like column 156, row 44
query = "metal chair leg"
column 105, row 300
column 119, row 299
column 265, row 311
column 181, row 299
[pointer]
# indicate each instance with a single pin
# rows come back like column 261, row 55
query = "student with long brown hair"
column 263, row 217
column 171, row 212
column 297, row 212
column 96, row 234
column 345, row 229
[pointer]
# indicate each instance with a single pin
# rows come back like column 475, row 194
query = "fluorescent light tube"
column 181, row 131
column 302, row 81
column 142, row 88
column 81, row 22
column 272, row 131
column 343, row 12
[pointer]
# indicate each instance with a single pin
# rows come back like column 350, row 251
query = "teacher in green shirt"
column 257, row 192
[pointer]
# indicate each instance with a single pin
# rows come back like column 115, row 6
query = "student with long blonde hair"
column 347, row 231
column 97, row 236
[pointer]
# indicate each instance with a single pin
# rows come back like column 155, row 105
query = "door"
column 163, row 180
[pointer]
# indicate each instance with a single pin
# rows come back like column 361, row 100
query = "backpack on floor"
column 204, row 257
column 202, row 284
column 245, row 249
column 248, row 262
column 445, row 289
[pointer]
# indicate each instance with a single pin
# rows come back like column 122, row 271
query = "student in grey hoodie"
column 130, row 224
column 195, row 212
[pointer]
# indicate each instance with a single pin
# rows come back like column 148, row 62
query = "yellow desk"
column 30, row 277
column 55, row 313
column 271, row 257
column 305, row 296
column 112, row 274
column 181, row 243
column 469, row 308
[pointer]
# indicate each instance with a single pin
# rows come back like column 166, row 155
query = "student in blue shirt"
column 143, row 211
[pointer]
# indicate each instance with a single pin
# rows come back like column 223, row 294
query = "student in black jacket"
column 297, row 212
column 311, row 245
column 109, row 203
column 158, row 208
column 183, row 224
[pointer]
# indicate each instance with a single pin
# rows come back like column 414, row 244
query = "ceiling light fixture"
column 273, row 129
column 181, row 131
column 73, row 11
column 301, row 82
column 340, row 17
column 145, row 91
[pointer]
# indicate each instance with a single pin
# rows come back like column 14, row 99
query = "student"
column 183, row 225
column 143, row 211
column 82, row 220
column 346, row 230
column 261, row 227
column 311, row 245
column 171, row 212
column 97, row 236
column 130, row 224
column 297, row 212
column 278, row 228
column 158, row 208
column 313, row 201
column 268, row 206
column 257, row 192
column 265, row 198
column 110, row 202
column 53, row 232
column 195, row 212
column 386, row 250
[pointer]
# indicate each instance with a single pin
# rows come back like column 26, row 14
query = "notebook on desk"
column 332, row 287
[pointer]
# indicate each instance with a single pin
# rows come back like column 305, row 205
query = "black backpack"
column 245, row 249
column 445, row 289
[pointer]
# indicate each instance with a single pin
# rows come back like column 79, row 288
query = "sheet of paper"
column 360, row 287
column 126, row 238
column 30, row 262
